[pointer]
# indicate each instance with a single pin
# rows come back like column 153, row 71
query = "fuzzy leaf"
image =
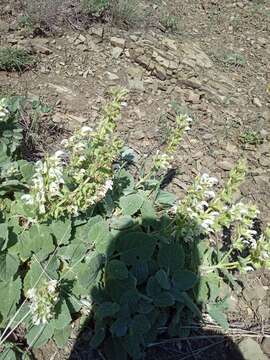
column 171, row 257
column 89, row 275
column 163, row 279
column 117, row 269
column 8, row 354
column 164, row 299
column 139, row 325
column 99, row 234
column 118, row 288
column 63, row 317
column 185, row 279
column 73, row 252
column 61, row 229
column 120, row 326
column 153, row 287
column 130, row 204
column 98, row 338
column 148, row 213
column 61, row 336
column 166, row 198
column 122, row 222
column 39, row 335
column 107, row 309
column 217, row 314
column 3, row 235
column 10, row 293
column 8, row 266
column 134, row 247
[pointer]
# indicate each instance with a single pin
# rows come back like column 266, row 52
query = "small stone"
column 266, row 346
column 98, row 33
column 265, row 161
column 112, row 77
column 160, row 72
column 251, row 350
column 257, row 102
column 226, row 165
column 117, row 52
column 118, row 42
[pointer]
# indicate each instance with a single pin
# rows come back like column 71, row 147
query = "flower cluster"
column 194, row 210
column 183, row 122
column 43, row 301
column 72, row 180
column 47, row 182
column 3, row 109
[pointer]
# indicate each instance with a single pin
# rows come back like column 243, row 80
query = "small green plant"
column 125, row 12
column 95, row 7
column 12, row 59
column 234, row 59
column 251, row 137
column 170, row 22
column 81, row 237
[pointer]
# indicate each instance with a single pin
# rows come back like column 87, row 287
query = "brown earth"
column 216, row 67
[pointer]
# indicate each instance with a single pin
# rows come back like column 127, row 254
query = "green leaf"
column 164, row 299
column 3, row 235
column 186, row 300
column 98, row 338
column 120, row 326
column 118, row 288
column 141, row 271
column 163, row 279
column 117, row 269
column 73, row 252
column 83, row 227
column 99, row 234
column 8, row 354
column 8, row 266
column 202, row 290
column 37, row 240
column 113, row 349
column 63, row 317
column 61, row 229
column 39, row 335
column 148, row 213
column 171, row 257
column 136, row 246
column 107, row 309
column 153, row 287
column 122, row 222
column 61, row 336
column 139, row 325
column 185, row 279
column 216, row 314
column 166, row 198
column 130, row 204
column 10, row 294
column 94, row 264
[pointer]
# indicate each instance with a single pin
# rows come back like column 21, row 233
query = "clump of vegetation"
column 81, row 237
column 41, row 13
column 234, row 59
column 170, row 21
column 251, row 137
column 121, row 12
column 12, row 59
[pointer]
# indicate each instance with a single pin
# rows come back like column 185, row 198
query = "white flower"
column 209, row 194
column 31, row 293
column 27, row 199
column 206, row 224
column 109, row 185
column 85, row 130
column 52, row 286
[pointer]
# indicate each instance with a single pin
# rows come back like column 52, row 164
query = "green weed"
column 12, row 59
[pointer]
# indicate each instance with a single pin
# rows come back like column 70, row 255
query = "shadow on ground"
column 140, row 309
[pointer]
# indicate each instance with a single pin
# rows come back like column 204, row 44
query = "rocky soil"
column 215, row 67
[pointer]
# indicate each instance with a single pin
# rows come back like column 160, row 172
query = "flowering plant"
column 79, row 237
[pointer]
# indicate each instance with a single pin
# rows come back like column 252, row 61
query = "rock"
column 265, row 161
column 192, row 55
column 170, row 44
column 117, row 52
column 266, row 346
column 40, row 46
column 226, row 165
column 80, row 40
column 118, row 42
column 257, row 102
column 250, row 350
column 112, row 76
column 160, row 72
column 97, row 33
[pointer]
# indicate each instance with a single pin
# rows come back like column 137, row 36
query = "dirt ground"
column 216, row 66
